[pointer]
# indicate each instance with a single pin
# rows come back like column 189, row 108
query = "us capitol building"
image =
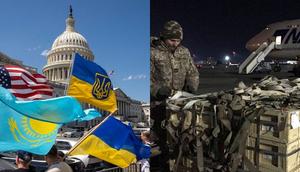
column 57, row 70
column 59, row 58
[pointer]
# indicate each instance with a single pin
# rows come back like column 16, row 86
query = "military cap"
column 172, row 30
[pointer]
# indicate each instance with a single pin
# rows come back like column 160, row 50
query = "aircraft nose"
column 253, row 44
column 259, row 39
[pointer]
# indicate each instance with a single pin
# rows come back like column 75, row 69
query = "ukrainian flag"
column 113, row 142
column 90, row 83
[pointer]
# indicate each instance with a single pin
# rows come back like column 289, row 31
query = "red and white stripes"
column 27, row 86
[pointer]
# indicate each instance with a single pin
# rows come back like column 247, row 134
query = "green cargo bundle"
column 209, row 132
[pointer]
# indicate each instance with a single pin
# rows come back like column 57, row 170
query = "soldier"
column 172, row 69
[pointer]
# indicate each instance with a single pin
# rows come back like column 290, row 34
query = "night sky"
column 218, row 27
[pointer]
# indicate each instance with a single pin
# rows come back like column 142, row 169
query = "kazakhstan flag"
column 32, row 125
column 90, row 83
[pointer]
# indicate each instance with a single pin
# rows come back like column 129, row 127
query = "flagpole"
column 87, row 134
column 71, row 71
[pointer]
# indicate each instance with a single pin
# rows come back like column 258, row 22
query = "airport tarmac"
column 221, row 78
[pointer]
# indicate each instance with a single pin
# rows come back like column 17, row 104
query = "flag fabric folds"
column 114, row 142
column 90, row 83
column 23, row 84
column 32, row 125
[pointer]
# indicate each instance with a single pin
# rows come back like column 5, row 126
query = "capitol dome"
column 59, row 58
column 68, row 38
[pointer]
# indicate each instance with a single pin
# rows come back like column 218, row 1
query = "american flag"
column 23, row 84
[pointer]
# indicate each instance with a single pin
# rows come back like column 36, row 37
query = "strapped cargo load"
column 210, row 131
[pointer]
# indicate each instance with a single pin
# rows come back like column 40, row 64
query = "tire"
column 277, row 69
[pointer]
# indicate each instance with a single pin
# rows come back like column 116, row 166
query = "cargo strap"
column 172, row 132
column 200, row 162
column 239, row 142
column 250, row 165
column 178, row 158
column 268, row 152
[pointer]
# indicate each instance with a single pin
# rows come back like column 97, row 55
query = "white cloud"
column 128, row 78
column 34, row 48
column 135, row 77
column 45, row 53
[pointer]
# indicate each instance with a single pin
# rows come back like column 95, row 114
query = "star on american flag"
column 4, row 78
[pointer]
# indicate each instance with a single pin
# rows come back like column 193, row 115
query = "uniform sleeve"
column 153, row 83
column 54, row 170
column 192, row 79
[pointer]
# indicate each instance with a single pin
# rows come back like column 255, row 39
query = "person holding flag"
column 55, row 165
column 145, row 137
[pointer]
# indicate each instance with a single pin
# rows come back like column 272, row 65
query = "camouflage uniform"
column 172, row 69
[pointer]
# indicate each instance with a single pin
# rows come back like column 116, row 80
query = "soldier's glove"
column 163, row 93
column 190, row 89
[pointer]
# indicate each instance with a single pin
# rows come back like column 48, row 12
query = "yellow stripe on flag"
column 83, row 92
column 94, row 146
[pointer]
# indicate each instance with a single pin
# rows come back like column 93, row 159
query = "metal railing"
column 132, row 168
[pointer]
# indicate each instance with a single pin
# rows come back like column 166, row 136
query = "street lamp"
column 227, row 61
column 227, row 58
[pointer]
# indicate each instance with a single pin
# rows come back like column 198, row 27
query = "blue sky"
column 117, row 32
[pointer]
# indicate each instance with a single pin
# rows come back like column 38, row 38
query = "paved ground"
column 5, row 165
column 222, row 78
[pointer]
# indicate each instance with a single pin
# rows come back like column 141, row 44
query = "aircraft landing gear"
column 296, row 70
column 276, row 67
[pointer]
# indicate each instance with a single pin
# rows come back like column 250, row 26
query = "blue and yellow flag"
column 113, row 142
column 32, row 125
column 90, row 83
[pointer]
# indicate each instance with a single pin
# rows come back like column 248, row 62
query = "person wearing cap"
column 145, row 137
column 60, row 156
column 56, row 165
column 23, row 160
column 172, row 69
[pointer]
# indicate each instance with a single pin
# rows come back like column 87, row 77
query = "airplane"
column 280, row 40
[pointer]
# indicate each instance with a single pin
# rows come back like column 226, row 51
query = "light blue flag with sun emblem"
column 32, row 125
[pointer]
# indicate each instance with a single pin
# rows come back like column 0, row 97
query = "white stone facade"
column 123, row 103
column 59, row 58
column 136, row 111
column 146, row 110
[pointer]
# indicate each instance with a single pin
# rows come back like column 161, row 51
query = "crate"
column 271, row 122
column 263, row 169
column 274, row 156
